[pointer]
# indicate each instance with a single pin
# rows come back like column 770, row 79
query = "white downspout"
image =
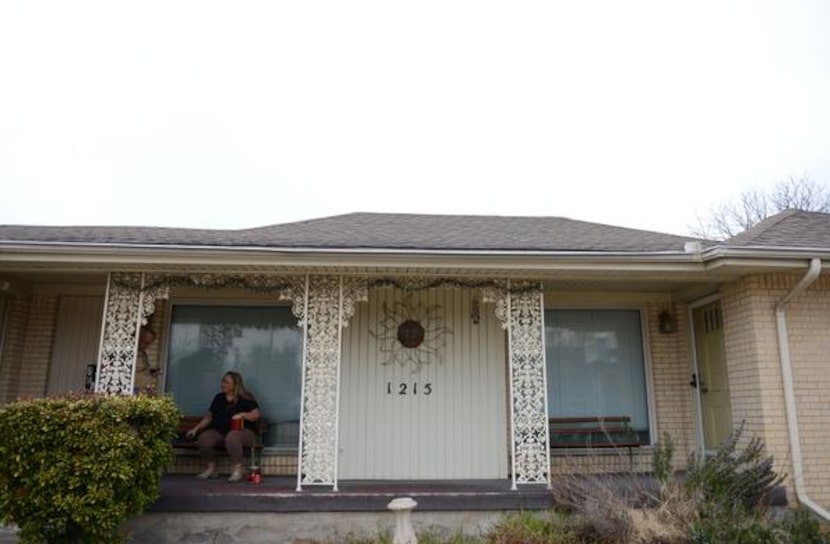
column 789, row 390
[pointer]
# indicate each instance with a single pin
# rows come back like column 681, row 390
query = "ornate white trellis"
column 519, row 307
column 128, row 304
column 327, row 307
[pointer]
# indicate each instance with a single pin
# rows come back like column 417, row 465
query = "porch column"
column 520, row 308
column 126, row 307
column 327, row 307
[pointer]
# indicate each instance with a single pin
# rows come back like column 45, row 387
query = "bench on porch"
column 188, row 422
column 592, row 432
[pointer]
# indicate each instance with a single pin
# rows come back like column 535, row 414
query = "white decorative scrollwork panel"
column 118, row 345
column 497, row 294
column 129, row 305
column 528, row 392
column 329, row 302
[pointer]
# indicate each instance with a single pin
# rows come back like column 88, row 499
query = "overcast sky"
column 240, row 114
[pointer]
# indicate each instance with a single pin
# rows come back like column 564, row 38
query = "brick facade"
column 37, row 346
column 670, row 371
column 17, row 313
column 757, row 393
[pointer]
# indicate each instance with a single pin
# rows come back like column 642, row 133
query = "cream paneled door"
column 435, row 411
column 712, row 380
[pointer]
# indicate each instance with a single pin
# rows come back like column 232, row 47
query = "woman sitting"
column 229, row 421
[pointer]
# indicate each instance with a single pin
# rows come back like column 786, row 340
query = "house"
column 418, row 347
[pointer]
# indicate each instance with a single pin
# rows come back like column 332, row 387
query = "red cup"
column 237, row 424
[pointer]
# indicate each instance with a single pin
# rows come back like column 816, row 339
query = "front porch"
column 184, row 493
column 480, row 370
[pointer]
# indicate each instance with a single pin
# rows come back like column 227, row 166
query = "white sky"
column 240, row 114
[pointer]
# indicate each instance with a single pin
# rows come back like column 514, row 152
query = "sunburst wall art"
column 411, row 333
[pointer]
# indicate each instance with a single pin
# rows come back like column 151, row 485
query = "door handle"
column 698, row 384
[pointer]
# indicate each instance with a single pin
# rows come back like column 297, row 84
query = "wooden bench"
column 181, row 441
column 592, row 432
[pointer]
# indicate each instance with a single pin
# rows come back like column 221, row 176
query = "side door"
column 711, row 379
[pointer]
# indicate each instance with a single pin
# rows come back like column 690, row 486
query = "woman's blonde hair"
column 239, row 390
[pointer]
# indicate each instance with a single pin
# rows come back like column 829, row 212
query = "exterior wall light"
column 668, row 324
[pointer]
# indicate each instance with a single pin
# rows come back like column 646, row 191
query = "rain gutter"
column 789, row 389
column 145, row 254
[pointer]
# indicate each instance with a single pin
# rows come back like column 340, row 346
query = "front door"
column 711, row 379
column 423, row 389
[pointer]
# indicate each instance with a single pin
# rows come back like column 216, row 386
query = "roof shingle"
column 790, row 228
column 379, row 231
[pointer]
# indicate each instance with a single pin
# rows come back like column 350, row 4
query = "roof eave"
column 101, row 255
column 137, row 254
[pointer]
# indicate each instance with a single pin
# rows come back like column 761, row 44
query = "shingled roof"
column 379, row 231
column 790, row 228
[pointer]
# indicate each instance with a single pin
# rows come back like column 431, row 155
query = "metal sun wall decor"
column 411, row 333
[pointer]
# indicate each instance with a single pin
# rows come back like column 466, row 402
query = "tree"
column 734, row 216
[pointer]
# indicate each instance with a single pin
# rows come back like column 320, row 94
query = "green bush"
column 803, row 528
column 73, row 469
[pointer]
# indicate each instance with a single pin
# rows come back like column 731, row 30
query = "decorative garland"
column 276, row 284
column 254, row 283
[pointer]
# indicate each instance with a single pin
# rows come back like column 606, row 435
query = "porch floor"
column 184, row 493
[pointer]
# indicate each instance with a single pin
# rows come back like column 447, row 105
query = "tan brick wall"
column 13, row 344
column 808, row 327
column 37, row 350
column 272, row 464
column 756, row 387
column 670, row 370
column 619, row 460
column 749, row 341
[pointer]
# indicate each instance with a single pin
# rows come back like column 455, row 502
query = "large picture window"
column 264, row 344
column 596, row 366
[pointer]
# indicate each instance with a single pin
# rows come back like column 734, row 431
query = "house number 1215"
column 404, row 388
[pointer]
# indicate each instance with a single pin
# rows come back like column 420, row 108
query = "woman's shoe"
column 207, row 474
column 236, row 476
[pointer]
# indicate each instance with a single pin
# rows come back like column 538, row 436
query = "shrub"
column 73, row 469
column 730, row 488
column 740, row 478
column 803, row 528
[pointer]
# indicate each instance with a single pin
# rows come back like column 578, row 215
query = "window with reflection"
column 596, row 366
column 264, row 344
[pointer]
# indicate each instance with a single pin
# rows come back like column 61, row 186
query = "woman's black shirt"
column 222, row 411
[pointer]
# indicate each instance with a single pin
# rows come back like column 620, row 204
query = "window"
column 596, row 367
column 264, row 344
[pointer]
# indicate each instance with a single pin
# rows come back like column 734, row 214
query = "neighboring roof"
column 380, row 231
column 790, row 228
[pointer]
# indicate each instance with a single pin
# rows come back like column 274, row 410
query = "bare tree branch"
column 734, row 216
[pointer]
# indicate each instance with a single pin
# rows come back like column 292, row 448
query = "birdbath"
column 403, row 507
